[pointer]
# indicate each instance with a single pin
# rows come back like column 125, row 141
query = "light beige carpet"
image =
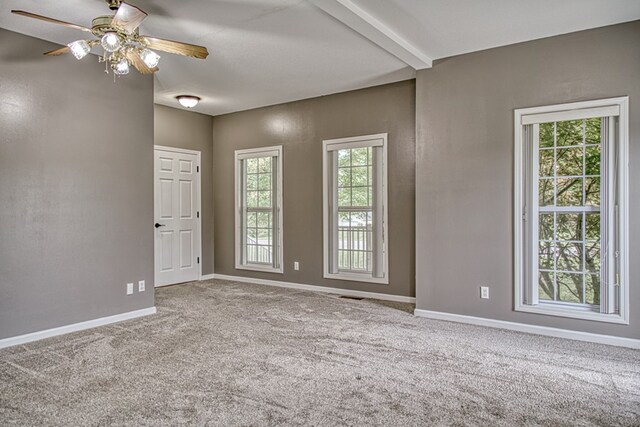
column 223, row 353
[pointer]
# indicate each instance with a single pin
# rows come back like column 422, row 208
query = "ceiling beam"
column 354, row 17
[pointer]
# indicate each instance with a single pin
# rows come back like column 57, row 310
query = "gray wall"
column 186, row 129
column 76, row 188
column 464, row 163
column 300, row 127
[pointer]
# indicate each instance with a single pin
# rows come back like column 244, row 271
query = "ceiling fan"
column 119, row 37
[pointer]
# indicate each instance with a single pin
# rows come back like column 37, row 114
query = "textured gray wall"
column 464, row 163
column 301, row 127
column 76, row 188
column 186, row 129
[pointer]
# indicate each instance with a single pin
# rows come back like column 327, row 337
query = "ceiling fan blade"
column 51, row 20
column 56, row 52
column 134, row 59
column 65, row 49
column 128, row 18
column 178, row 48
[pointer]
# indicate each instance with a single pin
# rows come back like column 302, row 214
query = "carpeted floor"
column 224, row 353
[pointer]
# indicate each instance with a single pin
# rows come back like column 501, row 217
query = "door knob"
column 158, row 225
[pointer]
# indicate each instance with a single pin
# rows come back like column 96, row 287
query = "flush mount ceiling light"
column 188, row 101
column 122, row 44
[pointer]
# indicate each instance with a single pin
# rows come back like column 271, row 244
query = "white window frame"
column 328, row 146
column 273, row 151
column 526, row 116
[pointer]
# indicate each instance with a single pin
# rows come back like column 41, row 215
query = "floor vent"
column 348, row 297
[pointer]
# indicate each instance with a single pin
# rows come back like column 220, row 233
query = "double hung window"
column 571, row 220
column 355, row 205
column 259, row 209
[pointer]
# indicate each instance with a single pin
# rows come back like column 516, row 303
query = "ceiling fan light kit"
column 119, row 37
column 188, row 101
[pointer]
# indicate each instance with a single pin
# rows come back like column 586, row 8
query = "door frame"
column 198, row 155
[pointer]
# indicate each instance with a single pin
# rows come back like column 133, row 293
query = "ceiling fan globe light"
column 150, row 58
column 111, row 42
column 122, row 67
column 79, row 49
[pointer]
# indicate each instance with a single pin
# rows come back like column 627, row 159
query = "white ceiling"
column 265, row 52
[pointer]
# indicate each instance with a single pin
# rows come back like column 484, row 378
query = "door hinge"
column 197, row 168
column 198, row 215
column 198, row 260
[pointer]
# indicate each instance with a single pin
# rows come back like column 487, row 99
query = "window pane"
column 264, row 164
column 264, row 219
column 252, row 199
column 546, row 286
column 264, row 199
column 252, row 219
column 359, row 156
column 592, row 257
column 592, row 191
column 344, row 157
column 569, row 227
column 264, row 181
column 546, row 135
column 360, row 176
column 252, row 182
column 545, row 227
column 592, row 130
column 344, row 177
column 569, row 132
column 592, row 289
column 569, row 161
column 569, row 256
column 593, row 227
column 546, row 163
column 360, row 196
column 569, row 192
column 569, row 287
column 252, row 165
column 344, row 196
column 545, row 190
column 592, row 160
column 546, row 256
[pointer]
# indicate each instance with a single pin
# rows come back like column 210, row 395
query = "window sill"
column 355, row 277
column 573, row 313
column 261, row 268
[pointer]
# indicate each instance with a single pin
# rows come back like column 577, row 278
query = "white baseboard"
column 532, row 329
column 47, row 333
column 314, row 288
column 207, row 277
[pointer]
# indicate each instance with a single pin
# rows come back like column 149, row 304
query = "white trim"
column 521, row 116
column 198, row 155
column 354, row 17
column 375, row 140
column 531, row 329
column 315, row 288
column 207, row 277
column 75, row 327
column 272, row 151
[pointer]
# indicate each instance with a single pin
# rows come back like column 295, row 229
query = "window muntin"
column 355, row 209
column 258, row 209
column 571, row 190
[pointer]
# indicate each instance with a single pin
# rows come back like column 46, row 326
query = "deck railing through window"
column 355, row 248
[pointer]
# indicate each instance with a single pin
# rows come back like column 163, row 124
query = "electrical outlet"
column 141, row 286
column 296, row 265
column 129, row 288
column 484, row 292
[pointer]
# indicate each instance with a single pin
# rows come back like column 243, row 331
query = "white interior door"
column 177, row 216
